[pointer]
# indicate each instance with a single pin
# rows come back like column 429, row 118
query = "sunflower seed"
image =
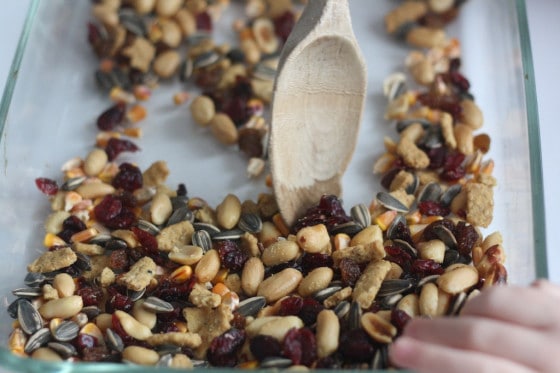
column 65, row 350
column 40, row 338
column 198, row 37
column 450, row 257
column 91, row 312
column 206, row 59
column 406, row 246
column 31, row 292
column 180, row 214
column 13, row 308
column 115, row 244
column 233, row 234
column 186, row 70
column 167, row 349
column 342, row 309
column 164, row 361
column 83, row 263
column 380, row 358
column 451, row 192
column 200, row 363
column 210, row 228
column 457, row 304
column 202, row 239
column 351, row 228
column 104, row 80
column 425, row 280
column 392, row 287
column 251, row 223
column 72, row 183
column 66, row 331
column 354, row 316
column 390, row 202
column 29, row 318
column 135, row 295
column 132, row 22
column 394, row 86
column 430, row 192
column 250, row 306
column 405, row 123
column 393, row 229
column 433, row 138
column 100, row 239
column 404, row 29
column 361, row 215
column 33, row 279
column 155, row 304
column 275, row 362
column 323, row 294
column 148, row 227
column 445, row 235
column 179, row 201
column 120, row 79
column 264, row 71
column 390, row 301
column 114, row 341
column 413, row 187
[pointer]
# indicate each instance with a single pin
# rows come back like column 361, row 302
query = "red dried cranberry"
column 109, row 208
column 300, row 346
column 84, row 341
column 74, row 224
column 117, row 146
column 399, row 318
column 401, row 231
column 171, row 291
column 98, row 353
column 355, row 346
column 118, row 260
column 236, row 109
column 167, row 327
column 91, row 296
column 329, row 362
column 459, row 81
column 329, row 211
column 242, row 89
column 466, row 236
column 309, row 311
column 223, row 349
column 433, row 208
column 124, row 220
column 284, row 24
column 146, row 239
column 176, row 314
column 350, row 271
column 426, row 267
column 47, row 186
column 399, row 256
column 263, row 346
column 128, row 178
column 437, row 157
column 118, row 301
column 203, row 21
column 310, row 261
column 111, row 117
column 94, row 36
column 290, row 306
column 239, row 321
column 231, row 255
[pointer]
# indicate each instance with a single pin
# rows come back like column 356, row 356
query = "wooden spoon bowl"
column 319, row 96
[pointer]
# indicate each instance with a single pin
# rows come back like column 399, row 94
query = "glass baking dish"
column 49, row 108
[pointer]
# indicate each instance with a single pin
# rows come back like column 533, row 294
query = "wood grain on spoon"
column 319, row 95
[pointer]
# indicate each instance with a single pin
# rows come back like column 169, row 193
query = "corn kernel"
column 71, row 199
column 252, row 364
column 74, row 172
column 181, row 97
column 413, row 217
column 220, row 288
column 430, row 219
column 341, row 241
column 136, row 113
column 85, row 235
column 231, row 299
column 385, row 219
column 135, row 132
column 268, row 180
column 142, row 92
column 245, row 34
column 52, row 239
column 102, row 138
column 220, row 276
column 181, row 274
column 487, row 167
column 117, row 94
column 17, row 342
column 181, row 326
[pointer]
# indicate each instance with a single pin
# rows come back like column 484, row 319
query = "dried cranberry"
column 399, row 256
column 117, row 146
column 112, row 117
column 250, row 142
column 242, row 89
column 118, row 301
column 437, row 157
column 98, row 353
column 284, row 24
column 309, row 311
column 91, row 296
column 239, row 321
column 263, row 346
column 128, row 178
column 454, row 64
column 118, row 260
column 107, row 209
column 236, row 109
column 290, row 306
column 47, row 186
column 355, row 346
column 146, row 239
column 426, row 267
column 171, row 291
column 350, row 271
column 176, row 314
column 399, row 318
column 430, row 232
column 231, row 255
column 223, row 349
column 166, row 327
column 203, row 21
column 124, row 220
column 466, row 236
column 459, row 81
column 74, row 223
column 84, row 341
column 329, row 211
column 433, row 208
column 269, row 271
column 329, row 362
column 310, row 261
column 401, row 231
column 300, row 346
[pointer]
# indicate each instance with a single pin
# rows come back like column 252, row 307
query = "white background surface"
column 544, row 29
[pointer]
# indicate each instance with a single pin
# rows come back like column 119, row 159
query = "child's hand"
column 504, row 329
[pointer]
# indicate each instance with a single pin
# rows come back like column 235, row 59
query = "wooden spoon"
column 319, row 95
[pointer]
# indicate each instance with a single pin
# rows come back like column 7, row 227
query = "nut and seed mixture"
column 141, row 272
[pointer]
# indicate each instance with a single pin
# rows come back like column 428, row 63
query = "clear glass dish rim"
column 539, row 230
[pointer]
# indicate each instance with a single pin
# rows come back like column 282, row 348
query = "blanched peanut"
column 314, row 239
column 62, row 307
column 426, row 37
column 208, row 267
column 328, row 330
column 280, row 252
column 458, row 279
column 94, row 190
column 202, row 110
column 166, row 64
column 409, row 304
column 378, row 328
column 367, row 235
column 252, row 276
column 64, row 285
column 144, row 316
column 133, row 327
column 428, row 301
column 273, row 326
column 161, row 208
column 269, row 233
column 317, row 279
column 140, row 355
column 471, row 114
column 95, row 161
column 464, row 137
column 280, row 284
column 167, row 8
column 224, row 129
column 46, row 354
column 433, row 249
column 229, row 211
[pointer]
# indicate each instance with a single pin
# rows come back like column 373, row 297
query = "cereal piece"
column 53, row 260
column 250, row 244
column 405, row 198
column 155, row 175
column 208, row 323
column 98, row 263
column 401, row 180
column 141, row 53
column 480, row 204
column 360, row 253
column 191, row 340
column 202, row 297
column 338, row 297
column 488, row 180
column 175, row 234
column 411, row 154
column 88, row 248
column 139, row 276
column 369, row 283
column 49, row 292
column 447, row 130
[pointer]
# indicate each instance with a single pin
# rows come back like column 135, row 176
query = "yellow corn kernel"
column 93, row 330
column 416, row 231
column 74, row 172
column 136, row 113
column 142, row 92
column 181, row 274
column 413, row 217
column 117, row 94
column 71, row 199
column 220, row 288
column 103, row 138
column 85, row 235
column 251, row 364
column 181, row 97
column 135, row 132
column 52, row 239
column 430, row 219
column 341, row 241
column 181, row 326
column 280, row 224
column 385, row 219
column 17, row 341
column 487, row 167
column 220, row 276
